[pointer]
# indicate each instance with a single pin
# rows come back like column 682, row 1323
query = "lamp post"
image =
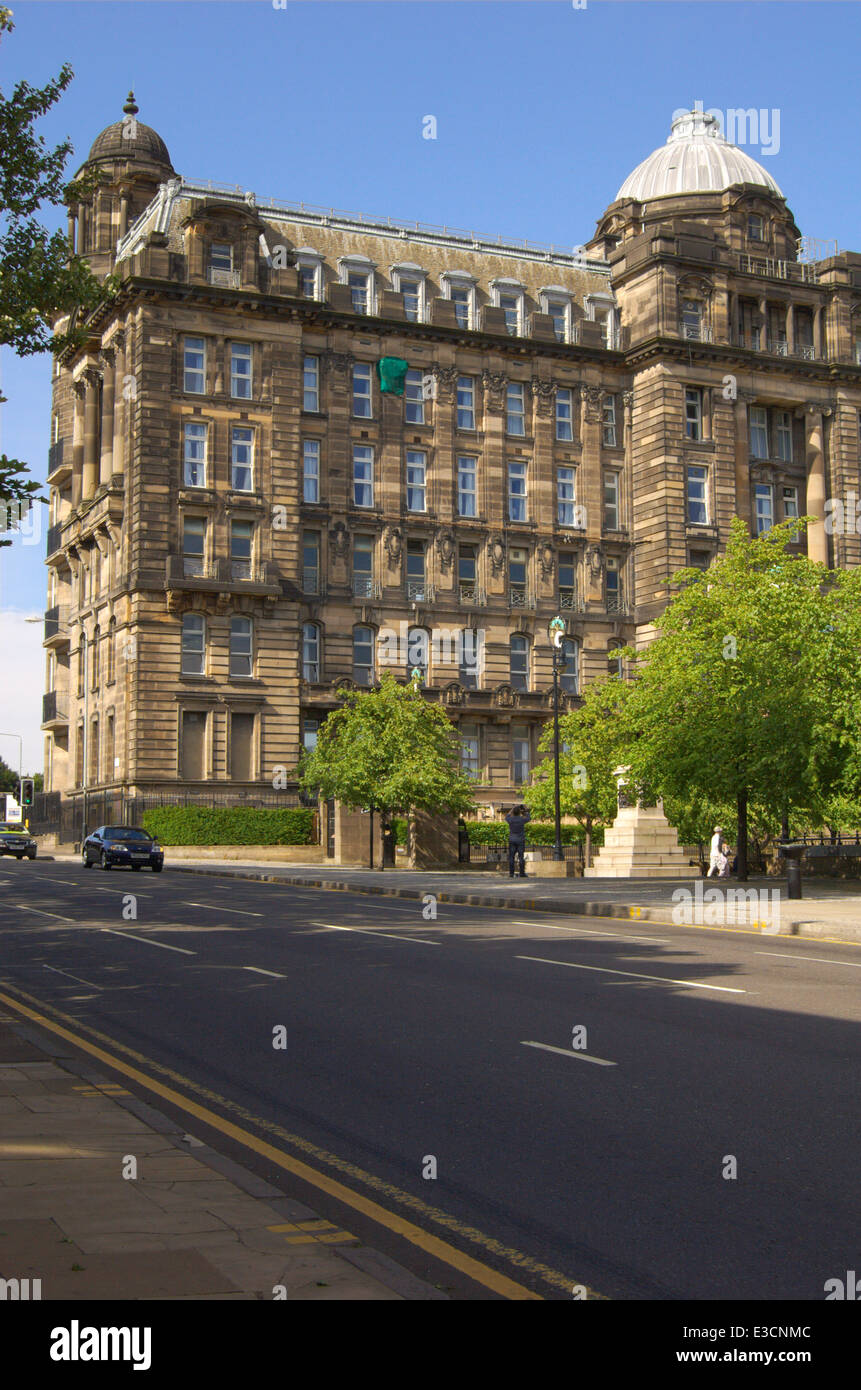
column 557, row 636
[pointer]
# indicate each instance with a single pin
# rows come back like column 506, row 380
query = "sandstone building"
column 242, row 522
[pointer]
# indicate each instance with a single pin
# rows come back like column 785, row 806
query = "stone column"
column 817, row 540
column 742, row 457
column 817, row 332
column 79, row 389
column 119, row 346
column 591, row 488
column 106, row 461
column 763, row 314
column 91, row 435
column 790, row 329
column 124, row 213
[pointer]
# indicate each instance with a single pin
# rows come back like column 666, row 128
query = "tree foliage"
column 591, row 745
column 751, row 692
column 389, row 750
column 41, row 279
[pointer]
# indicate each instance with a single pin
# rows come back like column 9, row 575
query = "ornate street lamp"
column 557, row 636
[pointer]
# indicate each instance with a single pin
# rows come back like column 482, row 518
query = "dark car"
column 116, row 846
column 14, row 839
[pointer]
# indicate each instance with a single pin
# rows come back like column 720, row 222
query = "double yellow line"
column 481, row 1273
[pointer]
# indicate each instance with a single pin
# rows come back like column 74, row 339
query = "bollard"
column 792, row 854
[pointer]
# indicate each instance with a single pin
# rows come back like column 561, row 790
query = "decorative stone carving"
column 453, row 694
column 445, row 546
column 342, row 685
column 628, row 399
column 595, row 560
column 495, row 384
column 339, row 363
column 543, row 393
column 446, row 381
column 593, row 398
column 393, row 544
column 339, row 539
column 546, row 559
column 496, row 553
column 505, row 698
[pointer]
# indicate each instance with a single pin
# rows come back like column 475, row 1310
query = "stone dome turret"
column 130, row 139
column 695, row 159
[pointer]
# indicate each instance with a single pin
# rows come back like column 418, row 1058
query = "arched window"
column 418, row 652
column 311, row 653
column 569, row 667
column 363, row 655
column 519, row 662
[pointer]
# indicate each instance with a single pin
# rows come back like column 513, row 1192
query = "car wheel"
column 19, row 856
column 86, row 860
column 31, row 856
column 157, row 868
column 104, row 861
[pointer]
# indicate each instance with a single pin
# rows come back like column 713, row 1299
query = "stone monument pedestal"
column 641, row 843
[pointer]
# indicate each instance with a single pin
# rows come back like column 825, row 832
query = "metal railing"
column 226, row 279
column 696, row 332
column 53, row 708
column 55, row 456
column 520, row 597
column 472, row 594
column 54, row 543
column 310, row 580
column 365, row 587
column 56, row 620
column 801, row 272
column 419, row 592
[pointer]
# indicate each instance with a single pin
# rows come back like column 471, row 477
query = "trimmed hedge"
column 495, row 832
column 230, row 825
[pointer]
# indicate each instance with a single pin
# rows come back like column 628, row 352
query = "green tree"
column 8, row 778
column 389, row 750
column 591, row 744
column 751, row 692
column 41, row 280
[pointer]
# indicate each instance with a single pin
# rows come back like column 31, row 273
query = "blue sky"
column 542, row 110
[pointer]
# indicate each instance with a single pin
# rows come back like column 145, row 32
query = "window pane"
column 414, row 406
column 311, row 470
column 311, row 653
column 240, row 646
column 363, row 476
column 516, row 415
column 697, row 499
column 564, row 415
column 194, row 365
column 517, row 491
column 362, row 390
column 467, row 491
column 194, row 455
column 241, row 458
column 240, row 370
column 565, row 496
column 416, row 477
column 311, row 383
column 465, row 403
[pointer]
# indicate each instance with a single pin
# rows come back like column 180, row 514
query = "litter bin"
column 389, row 847
column 462, row 843
column 792, row 854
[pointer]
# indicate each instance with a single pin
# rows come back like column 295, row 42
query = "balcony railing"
column 420, row 592
column 520, row 597
column 615, row 603
column 800, row 272
column 56, row 630
column 226, row 279
column 54, row 709
column 54, row 543
column 470, row 593
column 310, row 580
column 55, row 461
column 366, row 587
column 696, row 332
column 570, row 601
column 240, row 569
column 779, row 347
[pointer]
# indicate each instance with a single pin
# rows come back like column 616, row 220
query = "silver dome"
column 695, row 159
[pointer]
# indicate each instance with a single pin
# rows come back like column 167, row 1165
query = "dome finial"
column 131, row 108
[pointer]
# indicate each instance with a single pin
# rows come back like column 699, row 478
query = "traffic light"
column 26, row 797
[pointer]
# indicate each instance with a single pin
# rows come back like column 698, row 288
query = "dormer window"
column 221, row 270
column 509, row 296
column 556, row 301
column 459, row 287
column 309, row 265
column 601, row 308
column 358, row 273
column 409, row 280
column 755, row 227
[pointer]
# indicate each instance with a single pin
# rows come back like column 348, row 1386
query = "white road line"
column 91, row 887
column 76, row 978
column 634, row 975
column 128, row 936
column 213, row 907
column 42, row 913
column 823, row 960
column 258, row 971
column 569, row 1052
column 588, row 931
column 381, row 935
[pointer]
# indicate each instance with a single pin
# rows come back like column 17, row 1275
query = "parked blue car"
column 122, row 846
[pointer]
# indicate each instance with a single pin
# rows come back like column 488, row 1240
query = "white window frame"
column 311, row 573
column 464, row 281
column 416, row 472
column 522, row 650
column 569, row 656
column 360, row 266
column 470, row 749
column 241, row 353
column 609, row 436
column 194, row 562
column 310, row 470
column 362, row 580
column 368, row 666
column 406, row 271
column 311, row 653
column 553, row 298
column 564, row 415
column 465, row 387
column 566, row 494
column 416, row 585
column 241, row 565
column 520, row 738
column 193, row 653
column 518, row 493
column 215, row 249
column 758, row 427
column 614, row 477
column 235, row 464
column 792, row 499
column 311, row 369
column 697, row 493
column 241, row 648
column 515, row 409
column 414, row 397
column 515, row 290
column 613, row 567
column 694, row 414
column 763, row 492
column 783, row 435
column 362, row 375
column 602, row 308
column 362, row 480
column 190, row 465
column 189, row 372
column 309, row 259
column 467, row 464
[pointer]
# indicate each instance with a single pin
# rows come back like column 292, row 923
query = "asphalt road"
column 602, row 1166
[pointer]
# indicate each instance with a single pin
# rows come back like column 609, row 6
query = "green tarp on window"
column 392, row 372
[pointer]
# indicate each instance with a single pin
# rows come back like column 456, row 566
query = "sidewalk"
column 829, row 908
column 192, row 1225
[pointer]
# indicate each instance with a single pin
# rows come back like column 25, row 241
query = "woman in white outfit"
column 715, row 853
